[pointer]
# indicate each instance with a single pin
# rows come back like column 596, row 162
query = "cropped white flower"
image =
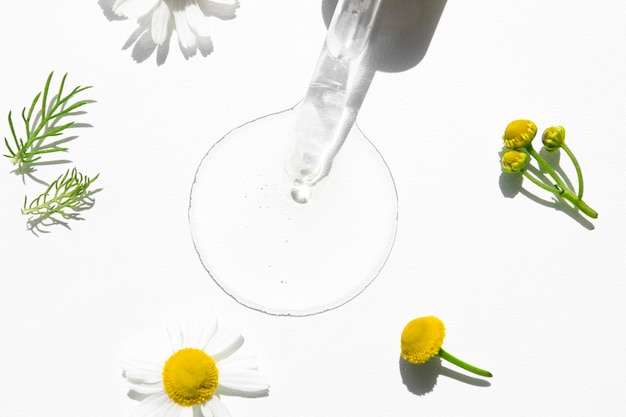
column 200, row 365
column 189, row 18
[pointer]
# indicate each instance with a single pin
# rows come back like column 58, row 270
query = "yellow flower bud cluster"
column 518, row 137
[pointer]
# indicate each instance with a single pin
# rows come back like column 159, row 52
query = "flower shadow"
column 511, row 184
column 422, row 379
column 143, row 46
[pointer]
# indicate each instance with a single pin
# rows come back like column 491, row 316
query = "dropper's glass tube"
column 350, row 28
column 328, row 110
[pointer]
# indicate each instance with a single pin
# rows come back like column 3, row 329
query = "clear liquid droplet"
column 301, row 193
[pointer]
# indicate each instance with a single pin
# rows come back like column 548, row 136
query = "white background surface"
column 534, row 294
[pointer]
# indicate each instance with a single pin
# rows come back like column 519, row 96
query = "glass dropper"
column 334, row 96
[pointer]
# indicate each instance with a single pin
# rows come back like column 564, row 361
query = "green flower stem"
column 537, row 182
column 546, row 167
column 560, row 189
column 458, row 362
column 564, row 193
column 578, row 170
column 576, row 201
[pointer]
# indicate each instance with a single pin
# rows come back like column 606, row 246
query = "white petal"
column 222, row 9
column 207, row 330
column 224, row 344
column 143, row 374
column 238, row 375
column 150, row 389
column 239, row 362
column 171, row 409
column 215, row 408
column 196, row 411
column 186, row 37
column 160, row 23
column 232, row 3
column 242, row 382
column 198, row 329
column 153, row 406
column 175, row 334
column 133, row 8
column 197, row 20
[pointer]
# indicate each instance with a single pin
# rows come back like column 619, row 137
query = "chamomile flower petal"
column 223, row 9
column 160, row 23
column 239, row 376
column 146, row 388
column 208, row 330
column 142, row 375
column 242, row 382
column 186, row 37
column 198, row 22
column 215, row 408
column 213, row 3
column 188, row 18
column 134, row 8
column 239, row 361
column 224, row 344
column 175, row 334
column 152, row 406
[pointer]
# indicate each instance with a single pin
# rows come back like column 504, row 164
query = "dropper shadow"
column 402, row 32
column 141, row 39
column 399, row 41
column 512, row 185
column 422, row 379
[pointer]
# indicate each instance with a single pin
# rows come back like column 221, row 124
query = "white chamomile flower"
column 189, row 18
column 200, row 364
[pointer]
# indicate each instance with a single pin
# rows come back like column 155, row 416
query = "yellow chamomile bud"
column 553, row 138
column 421, row 339
column 519, row 133
column 514, row 161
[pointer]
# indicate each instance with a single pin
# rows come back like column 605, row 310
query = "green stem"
column 458, row 362
column 579, row 173
column 565, row 194
column 537, row 182
column 580, row 204
column 560, row 189
column 543, row 164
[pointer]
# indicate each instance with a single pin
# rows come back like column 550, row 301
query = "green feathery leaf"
column 39, row 126
column 66, row 196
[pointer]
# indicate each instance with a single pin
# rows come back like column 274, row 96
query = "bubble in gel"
column 301, row 193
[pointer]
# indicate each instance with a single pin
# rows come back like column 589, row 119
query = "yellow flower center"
column 519, row 133
column 421, row 339
column 189, row 377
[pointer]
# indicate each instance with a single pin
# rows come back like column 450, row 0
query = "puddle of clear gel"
column 271, row 253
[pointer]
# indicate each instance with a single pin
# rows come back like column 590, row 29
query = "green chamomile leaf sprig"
column 66, row 196
column 518, row 137
column 43, row 124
